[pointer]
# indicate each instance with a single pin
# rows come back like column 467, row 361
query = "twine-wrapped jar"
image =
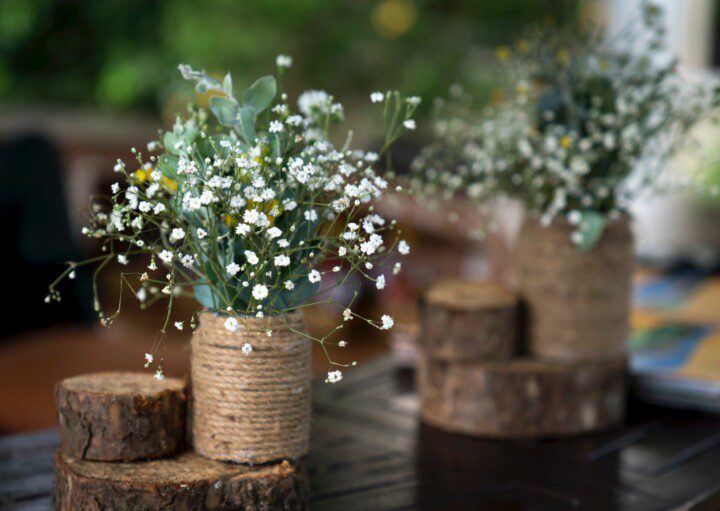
column 251, row 408
column 578, row 302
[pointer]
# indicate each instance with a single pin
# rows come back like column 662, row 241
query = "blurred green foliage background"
column 123, row 54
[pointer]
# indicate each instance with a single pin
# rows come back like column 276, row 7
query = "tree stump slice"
column 522, row 398
column 469, row 321
column 117, row 416
column 186, row 482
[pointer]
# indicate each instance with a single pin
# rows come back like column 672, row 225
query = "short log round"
column 188, row 481
column 522, row 398
column 251, row 408
column 464, row 320
column 578, row 302
column 117, row 416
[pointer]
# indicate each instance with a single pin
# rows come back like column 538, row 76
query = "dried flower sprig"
column 248, row 216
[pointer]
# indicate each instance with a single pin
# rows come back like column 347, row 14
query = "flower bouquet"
column 253, row 211
column 585, row 128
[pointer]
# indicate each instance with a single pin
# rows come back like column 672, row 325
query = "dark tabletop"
column 369, row 452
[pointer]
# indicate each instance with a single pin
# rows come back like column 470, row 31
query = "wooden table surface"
column 369, row 452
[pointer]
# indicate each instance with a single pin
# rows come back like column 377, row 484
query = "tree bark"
column 187, row 482
column 468, row 321
column 522, row 398
column 121, row 416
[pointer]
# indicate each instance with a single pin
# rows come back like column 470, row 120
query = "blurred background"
column 81, row 82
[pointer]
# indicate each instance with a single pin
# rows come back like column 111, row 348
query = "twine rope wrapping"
column 251, row 408
column 578, row 302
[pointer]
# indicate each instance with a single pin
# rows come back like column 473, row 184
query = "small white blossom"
column 165, row 256
column 283, row 61
column 177, row 234
column 251, row 257
column 314, row 276
column 289, row 285
column 403, row 247
column 232, row 268
column 231, row 324
column 377, row 97
column 334, row 376
column 282, row 260
column 246, row 349
column 380, row 282
column 387, row 322
column 179, row 325
column 259, row 292
column 122, row 259
column 201, row 233
column 410, row 124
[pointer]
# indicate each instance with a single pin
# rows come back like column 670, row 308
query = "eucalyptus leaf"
column 225, row 110
column 260, row 94
column 227, row 83
column 592, row 226
column 246, row 127
column 204, row 295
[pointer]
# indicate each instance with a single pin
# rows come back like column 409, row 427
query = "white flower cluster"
column 254, row 220
column 588, row 126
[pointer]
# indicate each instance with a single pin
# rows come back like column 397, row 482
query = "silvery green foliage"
column 240, row 116
column 587, row 125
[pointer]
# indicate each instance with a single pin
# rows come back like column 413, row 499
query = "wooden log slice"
column 186, row 482
column 116, row 416
column 522, row 398
column 463, row 320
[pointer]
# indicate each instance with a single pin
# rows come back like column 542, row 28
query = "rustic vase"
column 251, row 408
column 578, row 302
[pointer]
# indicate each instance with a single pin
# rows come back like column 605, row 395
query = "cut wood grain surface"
column 522, row 398
column 188, row 481
column 116, row 416
column 464, row 320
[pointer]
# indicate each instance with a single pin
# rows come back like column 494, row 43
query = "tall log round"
column 578, row 302
column 251, row 408
column 116, row 416
column 468, row 321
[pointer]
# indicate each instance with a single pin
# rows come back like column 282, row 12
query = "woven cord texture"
column 578, row 302
column 251, row 408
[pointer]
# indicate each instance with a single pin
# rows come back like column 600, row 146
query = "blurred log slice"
column 522, row 398
column 188, row 481
column 464, row 320
column 116, row 416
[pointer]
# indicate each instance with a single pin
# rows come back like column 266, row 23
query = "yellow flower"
column 169, row 184
column 565, row 141
column 502, row 53
column 230, row 221
column 563, row 55
column 142, row 174
column 522, row 46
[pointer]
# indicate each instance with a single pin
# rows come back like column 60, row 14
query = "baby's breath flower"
column 334, row 376
column 231, row 324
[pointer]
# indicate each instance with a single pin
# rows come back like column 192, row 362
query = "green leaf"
column 225, row 110
column 204, row 295
column 246, row 127
column 227, row 83
column 260, row 94
column 592, row 226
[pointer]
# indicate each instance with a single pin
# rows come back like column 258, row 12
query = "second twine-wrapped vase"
column 578, row 302
column 251, row 408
